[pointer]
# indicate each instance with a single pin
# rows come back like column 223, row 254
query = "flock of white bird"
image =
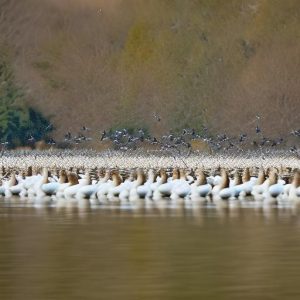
column 146, row 160
column 269, row 186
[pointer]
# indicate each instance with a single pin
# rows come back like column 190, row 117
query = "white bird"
column 115, row 187
column 72, row 179
column 103, row 177
column 223, row 183
column 236, row 185
column 71, row 191
column 103, row 188
column 7, row 184
column 34, row 185
column 39, row 196
column 145, row 190
column 19, row 188
column 222, row 191
column 161, row 179
column 294, row 191
column 51, row 188
column 60, row 199
column 25, row 183
column 181, row 187
column 88, row 190
column 200, row 189
column 247, row 185
column 139, row 182
column 125, row 187
column 274, row 190
column 165, row 189
column 260, row 185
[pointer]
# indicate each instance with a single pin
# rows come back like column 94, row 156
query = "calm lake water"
column 158, row 253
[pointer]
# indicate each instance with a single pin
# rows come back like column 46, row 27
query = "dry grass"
column 218, row 62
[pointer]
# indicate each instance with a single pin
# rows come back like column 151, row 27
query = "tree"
column 18, row 123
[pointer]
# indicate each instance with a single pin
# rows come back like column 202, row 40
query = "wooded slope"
column 114, row 63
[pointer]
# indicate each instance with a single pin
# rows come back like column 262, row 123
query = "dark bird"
column 84, row 128
column 280, row 141
column 31, row 139
column 103, row 135
column 296, row 133
column 157, row 117
column 51, row 141
column 193, row 132
column 293, row 149
column 263, row 141
column 68, row 136
column 243, row 136
column 273, row 143
column 154, row 141
column 171, row 137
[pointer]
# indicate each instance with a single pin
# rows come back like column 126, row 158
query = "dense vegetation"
column 19, row 124
column 114, row 63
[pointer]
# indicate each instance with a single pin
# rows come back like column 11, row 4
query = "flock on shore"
column 61, row 187
column 236, row 169
column 174, row 142
column 87, row 159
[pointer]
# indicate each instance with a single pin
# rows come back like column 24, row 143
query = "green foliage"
column 17, row 121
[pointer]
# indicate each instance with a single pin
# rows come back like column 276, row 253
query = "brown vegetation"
column 116, row 62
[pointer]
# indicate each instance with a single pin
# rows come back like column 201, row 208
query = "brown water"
column 113, row 253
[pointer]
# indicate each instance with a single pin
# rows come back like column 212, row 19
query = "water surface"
column 158, row 253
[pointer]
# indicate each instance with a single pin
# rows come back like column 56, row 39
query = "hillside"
column 108, row 63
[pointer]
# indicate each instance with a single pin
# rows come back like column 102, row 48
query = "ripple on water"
column 160, row 252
